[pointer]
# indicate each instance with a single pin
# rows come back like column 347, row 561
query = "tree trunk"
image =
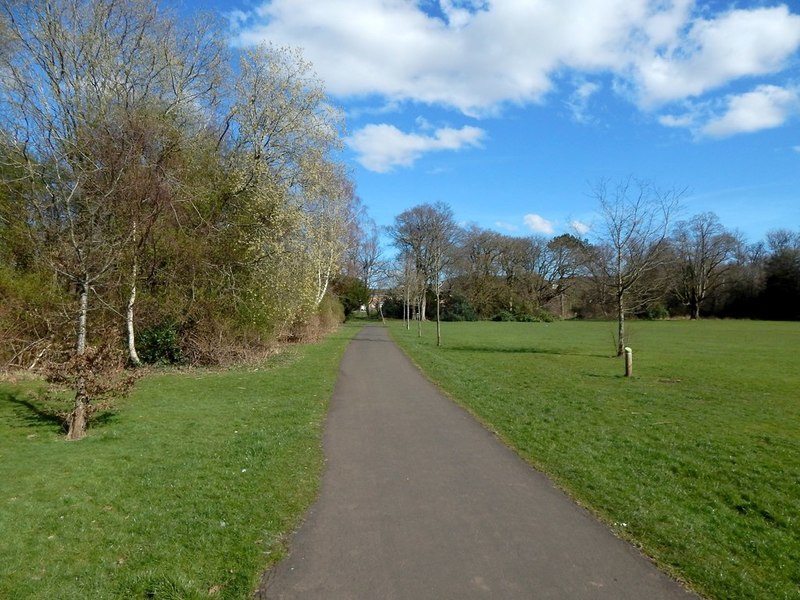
column 419, row 318
column 369, row 296
column 621, row 324
column 695, row 311
column 83, row 311
column 438, row 319
column 79, row 417
column 323, row 279
column 133, row 356
column 407, row 308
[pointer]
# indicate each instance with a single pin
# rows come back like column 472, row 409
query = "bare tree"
column 409, row 237
column 427, row 232
column 569, row 255
column 444, row 233
column 497, row 272
column 704, row 250
column 632, row 243
column 413, row 290
column 479, row 270
column 513, row 263
column 368, row 256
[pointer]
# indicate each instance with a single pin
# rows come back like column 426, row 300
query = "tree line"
column 640, row 260
column 156, row 196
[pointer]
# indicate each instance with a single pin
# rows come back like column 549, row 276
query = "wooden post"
column 628, row 362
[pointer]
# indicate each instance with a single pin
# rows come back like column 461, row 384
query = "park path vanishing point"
column 419, row 501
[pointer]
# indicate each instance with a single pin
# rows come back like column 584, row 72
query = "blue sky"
column 511, row 111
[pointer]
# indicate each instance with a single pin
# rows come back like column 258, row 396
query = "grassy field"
column 696, row 458
column 184, row 491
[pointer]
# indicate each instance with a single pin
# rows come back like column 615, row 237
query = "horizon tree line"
column 639, row 261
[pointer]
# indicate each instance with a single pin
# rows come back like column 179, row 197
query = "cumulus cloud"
column 579, row 227
column 381, row 148
column 460, row 12
column 476, row 56
column 766, row 107
column 538, row 224
column 716, row 51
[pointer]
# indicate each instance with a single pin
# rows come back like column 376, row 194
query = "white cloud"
column 237, row 18
column 579, row 101
column 686, row 120
column 382, row 147
column 579, row 227
column 506, row 226
column 796, row 148
column 483, row 55
column 423, row 123
column 736, row 44
column 538, row 224
column 766, row 107
column 460, row 12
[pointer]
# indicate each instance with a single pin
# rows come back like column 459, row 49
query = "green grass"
column 186, row 490
column 696, row 458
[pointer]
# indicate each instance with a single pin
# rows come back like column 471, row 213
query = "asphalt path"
column 419, row 501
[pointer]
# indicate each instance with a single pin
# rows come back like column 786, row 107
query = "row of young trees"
column 641, row 260
column 153, row 190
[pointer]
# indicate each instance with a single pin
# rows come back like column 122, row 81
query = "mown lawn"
column 696, row 458
column 185, row 490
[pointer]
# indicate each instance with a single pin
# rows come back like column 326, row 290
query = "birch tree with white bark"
column 74, row 71
column 283, row 133
column 329, row 215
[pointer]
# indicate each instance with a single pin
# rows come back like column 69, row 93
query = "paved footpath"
column 419, row 501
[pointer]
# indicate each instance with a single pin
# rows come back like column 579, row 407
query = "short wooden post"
column 628, row 362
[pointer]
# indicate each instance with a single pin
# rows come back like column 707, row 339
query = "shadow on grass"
column 39, row 413
column 607, row 376
column 35, row 414
column 522, row 350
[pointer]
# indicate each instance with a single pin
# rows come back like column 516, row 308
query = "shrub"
column 457, row 308
column 331, row 312
column 352, row 293
column 527, row 318
column 31, row 309
column 654, row 312
column 537, row 316
column 505, row 316
column 160, row 344
column 392, row 307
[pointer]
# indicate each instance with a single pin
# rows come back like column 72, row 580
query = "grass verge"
column 184, row 491
column 696, row 458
